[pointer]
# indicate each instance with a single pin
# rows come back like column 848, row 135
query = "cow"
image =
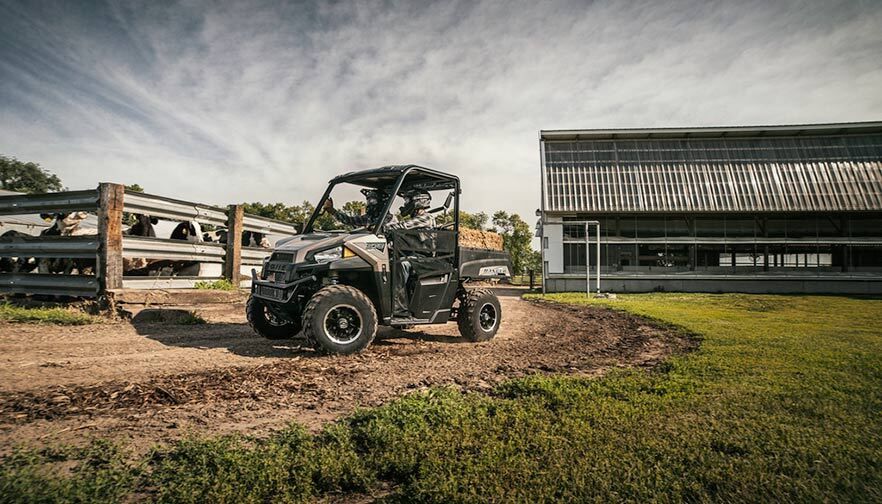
column 249, row 238
column 16, row 264
column 219, row 235
column 189, row 231
column 143, row 226
column 254, row 239
column 66, row 224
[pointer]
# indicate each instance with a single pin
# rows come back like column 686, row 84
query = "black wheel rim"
column 272, row 319
column 343, row 324
column 487, row 317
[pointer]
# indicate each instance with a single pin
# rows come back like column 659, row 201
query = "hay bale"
column 473, row 238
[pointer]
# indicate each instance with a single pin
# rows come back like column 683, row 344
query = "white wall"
column 554, row 250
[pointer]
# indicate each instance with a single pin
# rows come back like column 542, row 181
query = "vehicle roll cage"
column 421, row 177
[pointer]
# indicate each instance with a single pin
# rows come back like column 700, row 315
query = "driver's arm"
column 343, row 217
column 420, row 221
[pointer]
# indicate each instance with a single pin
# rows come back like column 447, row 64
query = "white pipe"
column 598, row 257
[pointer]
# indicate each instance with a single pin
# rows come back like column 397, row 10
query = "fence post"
column 110, row 264
column 233, row 257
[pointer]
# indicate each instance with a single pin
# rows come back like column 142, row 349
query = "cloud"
column 242, row 101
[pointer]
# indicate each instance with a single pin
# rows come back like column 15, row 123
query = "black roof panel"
column 384, row 176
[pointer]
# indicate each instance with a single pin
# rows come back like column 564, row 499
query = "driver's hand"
column 329, row 204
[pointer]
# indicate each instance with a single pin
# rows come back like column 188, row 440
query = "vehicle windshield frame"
column 444, row 181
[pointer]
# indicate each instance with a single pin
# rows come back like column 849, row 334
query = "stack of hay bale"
column 473, row 238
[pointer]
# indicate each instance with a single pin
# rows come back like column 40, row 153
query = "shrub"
column 223, row 284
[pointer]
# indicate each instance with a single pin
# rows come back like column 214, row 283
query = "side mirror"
column 445, row 206
column 448, row 201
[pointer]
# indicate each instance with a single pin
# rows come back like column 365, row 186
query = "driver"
column 415, row 211
column 375, row 201
column 414, row 215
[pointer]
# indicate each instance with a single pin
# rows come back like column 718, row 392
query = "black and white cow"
column 66, row 224
column 189, row 231
column 254, row 239
column 249, row 238
column 16, row 264
column 143, row 226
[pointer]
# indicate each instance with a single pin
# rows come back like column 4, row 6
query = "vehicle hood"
column 301, row 245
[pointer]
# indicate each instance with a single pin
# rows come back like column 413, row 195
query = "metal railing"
column 110, row 246
column 176, row 250
column 69, row 201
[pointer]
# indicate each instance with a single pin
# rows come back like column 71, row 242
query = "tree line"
column 517, row 236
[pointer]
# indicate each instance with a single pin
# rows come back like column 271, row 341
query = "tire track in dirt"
column 536, row 338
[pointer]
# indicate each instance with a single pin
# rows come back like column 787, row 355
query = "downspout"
column 542, row 208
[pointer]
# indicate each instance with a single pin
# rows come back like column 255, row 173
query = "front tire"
column 479, row 315
column 340, row 319
column 264, row 323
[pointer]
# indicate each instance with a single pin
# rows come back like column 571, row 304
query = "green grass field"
column 782, row 402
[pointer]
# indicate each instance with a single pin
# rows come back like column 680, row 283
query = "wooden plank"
column 110, row 210
column 233, row 258
column 177, row 296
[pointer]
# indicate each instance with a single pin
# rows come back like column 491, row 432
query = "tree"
column 299, row 214
column 473, row 221
column 355, row 207
column 294, row 214
column 534, row 261
column 516, row 239
column 467, row 220
column 27, row 177
column 129, row 219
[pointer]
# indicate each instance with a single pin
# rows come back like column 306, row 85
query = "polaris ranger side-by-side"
column 337, row 286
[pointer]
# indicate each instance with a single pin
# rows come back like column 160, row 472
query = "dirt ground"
column 146, row 383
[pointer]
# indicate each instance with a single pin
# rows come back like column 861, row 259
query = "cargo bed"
column 483, row 264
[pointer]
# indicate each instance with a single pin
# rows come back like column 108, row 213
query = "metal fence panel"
column 165, row 282
column 167, row 208
column 67, row 201
column 73, row 247
column 268, row 226
column 176, row 250
column 33, row 283
column 254, row 256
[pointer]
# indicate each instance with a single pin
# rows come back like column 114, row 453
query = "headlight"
column 329, row 255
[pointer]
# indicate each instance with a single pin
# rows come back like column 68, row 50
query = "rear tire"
column 265, row 324
column 479, row 315
column 339, row 319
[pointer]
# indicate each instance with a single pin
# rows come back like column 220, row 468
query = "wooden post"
column 110, row 264
column 233, row 258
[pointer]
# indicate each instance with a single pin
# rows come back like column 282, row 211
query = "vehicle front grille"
column 277, row 267
column 271, row 292
column 285, row 257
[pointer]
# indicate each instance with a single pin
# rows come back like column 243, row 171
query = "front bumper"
column 276, row 292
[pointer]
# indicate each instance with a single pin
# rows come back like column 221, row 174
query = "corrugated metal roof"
column 715, row 131
column 834, row 167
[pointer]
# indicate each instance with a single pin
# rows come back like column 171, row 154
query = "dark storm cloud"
column 237, row 101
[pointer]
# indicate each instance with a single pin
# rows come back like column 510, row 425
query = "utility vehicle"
column 337, row 286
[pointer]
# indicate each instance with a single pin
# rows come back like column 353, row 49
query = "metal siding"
column 818, row 173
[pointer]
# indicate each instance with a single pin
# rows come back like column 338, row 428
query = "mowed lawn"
column 782, row 402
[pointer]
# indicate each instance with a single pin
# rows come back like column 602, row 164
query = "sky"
column 225, row 102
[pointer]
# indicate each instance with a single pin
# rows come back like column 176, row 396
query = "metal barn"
column 740, row 209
